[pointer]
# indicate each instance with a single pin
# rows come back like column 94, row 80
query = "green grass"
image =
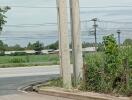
column 33, row 60
column 43, row 58
column 30, row 60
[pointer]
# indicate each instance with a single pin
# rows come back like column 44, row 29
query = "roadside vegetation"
column 108, row 71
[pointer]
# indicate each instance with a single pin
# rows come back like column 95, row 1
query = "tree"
column 127, row 42
column 53, row 46
column 87, row 44
column 2, row 16
column 2, row 22
column 29, row 46
column 38, row 47
column 6, row 47
column 2, row 48
column 17, row 47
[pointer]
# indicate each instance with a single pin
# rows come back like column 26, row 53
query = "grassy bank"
column 29, row 60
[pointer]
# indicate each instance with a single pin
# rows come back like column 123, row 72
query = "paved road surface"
column 29, row 71
column 13, row 78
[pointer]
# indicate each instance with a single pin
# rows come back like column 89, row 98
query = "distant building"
column 26, row 51
column 45, row 52
column 50, row 51
column 30, row 52
column 89, row 49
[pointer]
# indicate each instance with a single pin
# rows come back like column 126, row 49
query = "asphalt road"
column 29, row 71
column 10, row 85
column 9, row 88
column 11, row 79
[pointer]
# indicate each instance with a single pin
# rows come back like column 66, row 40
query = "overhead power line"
column 54, row 7
column 32, row 25
column 55, row 24
column 41, row 31
column 47, row 37
column 39, row 25
column 118, row 6
column 43, row 7
column 116, row 22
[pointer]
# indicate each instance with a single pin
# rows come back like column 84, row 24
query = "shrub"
column 112, row 62
column 109, row 71
column 17, row 60
column 93, row 72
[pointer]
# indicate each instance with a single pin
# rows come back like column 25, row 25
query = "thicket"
column 109, row 71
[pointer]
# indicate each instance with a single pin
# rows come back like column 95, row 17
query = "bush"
column 94, row 63
column 109, row 71
column 17, row 60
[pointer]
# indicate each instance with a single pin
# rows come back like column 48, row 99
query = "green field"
column 29, row 60
column 32, row 60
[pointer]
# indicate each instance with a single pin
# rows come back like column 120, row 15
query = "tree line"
column 38, row 46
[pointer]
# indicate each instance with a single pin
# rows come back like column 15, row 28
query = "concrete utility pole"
column 95, row 31
column 58, row 21
column 64, row 45
column 119, row 37
column 76, row 41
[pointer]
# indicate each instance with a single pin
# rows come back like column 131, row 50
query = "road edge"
column 78, row 96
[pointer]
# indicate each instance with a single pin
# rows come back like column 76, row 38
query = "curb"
column 69, row 95
column 33, row 85
column 78, row 96
column 30, row 87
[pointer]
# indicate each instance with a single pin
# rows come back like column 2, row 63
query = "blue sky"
column 48, row 33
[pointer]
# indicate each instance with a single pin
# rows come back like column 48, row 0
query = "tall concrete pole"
column 76, row 41
column 58, row 21
column 64, row 44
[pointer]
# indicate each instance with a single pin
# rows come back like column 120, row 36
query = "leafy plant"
column 109, row 71
column 17, row 60
column 93, row 71
column 112, row 61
